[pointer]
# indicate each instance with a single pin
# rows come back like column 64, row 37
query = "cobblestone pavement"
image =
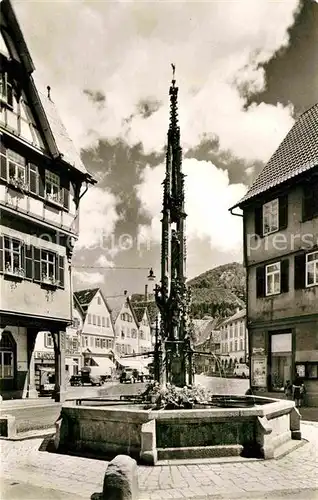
column 295, row 474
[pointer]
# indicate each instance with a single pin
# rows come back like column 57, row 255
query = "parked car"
column 75, row 380
column 241, row 370
column 89, row 377
column 128, row 375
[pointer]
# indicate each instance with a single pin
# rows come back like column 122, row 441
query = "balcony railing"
column 18, row 183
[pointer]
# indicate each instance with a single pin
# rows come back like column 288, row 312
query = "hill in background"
column 219, row 291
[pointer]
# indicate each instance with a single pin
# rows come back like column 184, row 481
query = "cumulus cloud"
column 87, row 278
column 208, row 196
column 123, row 49
column 103, row 261
column 98, row 217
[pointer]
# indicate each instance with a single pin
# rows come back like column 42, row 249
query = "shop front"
column 279, row 354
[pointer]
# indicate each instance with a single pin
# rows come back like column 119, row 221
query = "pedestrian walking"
column 288, row 389
column 298, row 391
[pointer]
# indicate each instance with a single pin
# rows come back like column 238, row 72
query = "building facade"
column 234, row 340
column 126, row 326
column 206, row 358
column 97, row 335
column 144, row 329
column 280, row 214
column 41, row 178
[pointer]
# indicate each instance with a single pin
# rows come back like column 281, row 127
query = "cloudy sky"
column 245, row 70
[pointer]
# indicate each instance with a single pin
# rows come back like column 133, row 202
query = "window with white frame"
column 270, row 217
column 312, row 269
column 241, row 344
column 89, row 319
column 99, row 301
column 272, row 279
column 107, row 322
column 103, row 321
column 94, row 319
column 6, row 356
column 48, row 265
column 103, row 343
column 52, row 187
column 16, row 167
column 98, row 321
column 13, row 256
column 235, row 345
column 97, row 342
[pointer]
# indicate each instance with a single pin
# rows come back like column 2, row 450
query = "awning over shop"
column 105, row 365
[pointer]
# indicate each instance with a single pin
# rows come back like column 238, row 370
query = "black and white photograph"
column 158, row 249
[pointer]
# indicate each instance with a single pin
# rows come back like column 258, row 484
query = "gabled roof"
column 116, row 305
column 59, row 143
column 139, row 311
column 297, row 153
column 151, row 307
column 85, row 297
column 238, row 315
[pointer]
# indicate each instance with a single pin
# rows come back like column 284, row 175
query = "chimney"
column 49, row 92
column 146, row 293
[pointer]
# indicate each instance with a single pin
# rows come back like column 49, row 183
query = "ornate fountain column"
column 172, row 295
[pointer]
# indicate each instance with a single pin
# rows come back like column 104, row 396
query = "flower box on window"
column 49, row 281
column 54, row 198
column 18, row 184
column 16, row 272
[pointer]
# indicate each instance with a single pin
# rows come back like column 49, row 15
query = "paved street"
column 293, row 476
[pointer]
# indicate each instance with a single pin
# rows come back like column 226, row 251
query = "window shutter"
column 258, row 221
column 65, row 184
column 61, row 271
column 3, row 167
column 41, row 182
column 283, row 211
column 33, row 179
column 260, row 281
column 300, row 271
column 1, row 253
column 29, row 262
column 284, row 277
column 36, row 264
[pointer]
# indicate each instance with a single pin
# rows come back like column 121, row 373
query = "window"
column 99, row 301
column 6, row 92
column 272, row 281
column 103, row 345
column 142, row 336
column 134, row 333
column 270, row 217
column 74, row 344
column 98, row 320
column 231, row 346
column 48, row 264
column 94, row 319
column 122, row 334
column 128, row 332
column 235, row 345
column 92, row 341
column 103, row 321
column 89, row 319
column 107, row 322
column 241, row 345
column 6, row 356
column 52, row 187
column 16, row 167
column 13, row 256
column 97, row 342
column 48, row 340
column 242, row 328
column 312, row 269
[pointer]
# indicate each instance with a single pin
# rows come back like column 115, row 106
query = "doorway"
column 281, row 359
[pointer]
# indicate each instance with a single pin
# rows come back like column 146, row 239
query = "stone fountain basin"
column 149, row 436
